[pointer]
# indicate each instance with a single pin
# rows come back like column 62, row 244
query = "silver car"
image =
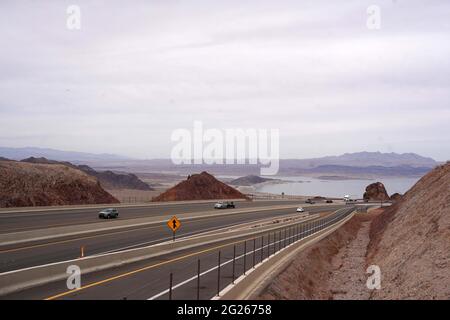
column 108, row 213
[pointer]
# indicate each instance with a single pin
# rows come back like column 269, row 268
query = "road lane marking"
column 72, row 240
column 140, row 270
column 111, row 233
column 313, row 230
column 152, row 266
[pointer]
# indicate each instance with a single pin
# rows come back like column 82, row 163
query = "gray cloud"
column 135, row 72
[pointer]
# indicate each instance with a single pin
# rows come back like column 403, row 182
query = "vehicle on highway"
column 300, row 209
column 224, row 205
column 329, row 201
column 309, row 201
column 108, row 213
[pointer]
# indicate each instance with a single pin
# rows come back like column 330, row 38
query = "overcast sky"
column 312, row 69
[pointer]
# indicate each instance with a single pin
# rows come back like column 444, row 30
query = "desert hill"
column 249, row 180
column 410, row 241
column 201, row 186
column 108, row 179
column 28, row 184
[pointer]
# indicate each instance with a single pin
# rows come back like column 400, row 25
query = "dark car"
column 309, row 201
column 224, row 205
column 329, row 201
column 108, row 213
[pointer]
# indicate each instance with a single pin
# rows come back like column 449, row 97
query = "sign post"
column 174, row 224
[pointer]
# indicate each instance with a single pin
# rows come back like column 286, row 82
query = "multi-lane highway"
column 13, row 257
column 17, row 220
column 149, row 279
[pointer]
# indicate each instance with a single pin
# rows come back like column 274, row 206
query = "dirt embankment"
column 409, row 241
column 333, row 268
column 26, row 184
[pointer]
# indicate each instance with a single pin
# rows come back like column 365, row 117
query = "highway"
column 13, row 257
column 149, row 279
column 30, row 220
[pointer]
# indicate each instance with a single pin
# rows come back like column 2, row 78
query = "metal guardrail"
column 246, row 255
column 271, row 196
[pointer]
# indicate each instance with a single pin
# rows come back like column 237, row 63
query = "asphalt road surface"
column 24, row 221
column 20, row 256
column 149, row 279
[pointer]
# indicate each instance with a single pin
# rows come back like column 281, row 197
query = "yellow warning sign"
column 174, row 223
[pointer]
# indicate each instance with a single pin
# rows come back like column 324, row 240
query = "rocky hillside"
column 410, row 241
column 108, row 179
column 27, row 184
column 249, row 180
column 395, row 197
column 201, row 186
column 376, row 192
column 116, row 180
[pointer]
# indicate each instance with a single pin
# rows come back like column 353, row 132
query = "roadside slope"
column 410, row 241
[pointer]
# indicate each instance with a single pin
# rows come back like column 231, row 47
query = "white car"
column 300, row 209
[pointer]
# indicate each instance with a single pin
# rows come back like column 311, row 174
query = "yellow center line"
column 142, row 269
column 119, row 276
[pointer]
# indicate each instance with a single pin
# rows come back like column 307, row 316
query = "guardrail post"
column 198, row 279
column 279, row 241
column 273, row 244
column 170, row 285
column 218, row 276
column 254, row 252
column 245, row 256
column 286, row 237
column 234, row 263
column 262, row 248
column 268, row 247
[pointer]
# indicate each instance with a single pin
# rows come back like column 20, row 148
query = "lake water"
column 335, row 188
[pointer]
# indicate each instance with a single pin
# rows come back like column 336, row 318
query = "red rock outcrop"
column 27, row 184
column 376, row 192
column 395, row 197
column 201, row 186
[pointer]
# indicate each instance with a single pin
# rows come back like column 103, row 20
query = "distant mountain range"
column 364, row 159
column 348, row 164
column 59, row 155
